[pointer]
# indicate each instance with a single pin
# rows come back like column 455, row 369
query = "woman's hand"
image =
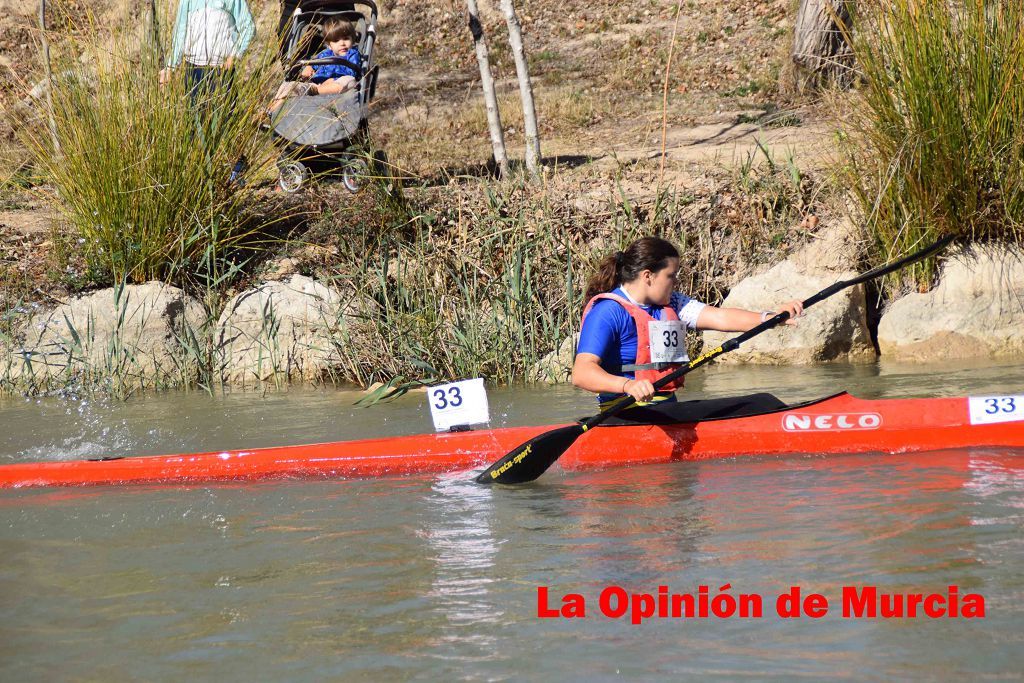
column 795, row 309
column 640, row 389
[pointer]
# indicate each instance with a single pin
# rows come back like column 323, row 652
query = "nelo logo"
column 830, row 422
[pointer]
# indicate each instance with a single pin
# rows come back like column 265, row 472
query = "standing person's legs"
column 214, row 102
column 199, row 85
column 227, row 109
column 198, row 92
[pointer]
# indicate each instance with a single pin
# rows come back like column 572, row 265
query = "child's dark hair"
column 648, row 253
column 336, row 29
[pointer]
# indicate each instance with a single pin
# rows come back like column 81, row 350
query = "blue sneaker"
column 237, row 173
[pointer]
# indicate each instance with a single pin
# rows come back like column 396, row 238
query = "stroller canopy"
column 318, row 10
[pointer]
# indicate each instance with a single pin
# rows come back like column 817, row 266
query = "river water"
column 436, row 578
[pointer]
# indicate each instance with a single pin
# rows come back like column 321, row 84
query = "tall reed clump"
column 938, row 130
column 486, row 283
column 143, row 171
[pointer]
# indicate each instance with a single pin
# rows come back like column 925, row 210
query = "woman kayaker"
column 635, row 323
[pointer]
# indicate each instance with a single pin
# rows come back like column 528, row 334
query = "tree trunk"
column 821, row 50
column 515, row 39
column 487, row 82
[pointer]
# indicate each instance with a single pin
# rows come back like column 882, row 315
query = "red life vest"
column 643, row 339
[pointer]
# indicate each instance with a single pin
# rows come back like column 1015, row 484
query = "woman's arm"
column 588, row 374
column 245, row 27
column 739, row 320
column 178, row 35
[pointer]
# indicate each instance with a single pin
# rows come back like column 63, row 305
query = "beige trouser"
column 293, row 89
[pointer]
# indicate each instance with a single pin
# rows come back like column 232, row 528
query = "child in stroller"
column 327, row 78
column 325, row 131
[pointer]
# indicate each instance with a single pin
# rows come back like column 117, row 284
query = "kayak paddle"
column 531, row 459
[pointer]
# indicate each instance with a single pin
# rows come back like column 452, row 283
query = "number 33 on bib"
column 667, row 340
column 458, row 404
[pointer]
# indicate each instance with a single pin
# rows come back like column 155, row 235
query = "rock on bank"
column 976, row 311
column 290, row 329
column 154, row 335
column 135, row 332
column 834, row 329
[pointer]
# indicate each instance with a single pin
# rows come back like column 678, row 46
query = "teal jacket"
column 222, row 28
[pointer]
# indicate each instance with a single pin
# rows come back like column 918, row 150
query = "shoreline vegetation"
column 452, row 273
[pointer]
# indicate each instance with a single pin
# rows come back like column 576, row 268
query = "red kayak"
column 837, row 424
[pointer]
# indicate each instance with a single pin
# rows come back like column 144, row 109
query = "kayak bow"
column 832, row 425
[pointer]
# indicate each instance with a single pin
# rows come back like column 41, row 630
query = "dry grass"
column 486, row 278
column 417, row 146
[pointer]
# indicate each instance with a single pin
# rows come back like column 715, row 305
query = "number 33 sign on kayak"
column 990, row 409
column 458, row 403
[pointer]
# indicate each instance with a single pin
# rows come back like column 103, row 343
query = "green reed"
column 938, row 141
column 486, row 284
column 140, row 170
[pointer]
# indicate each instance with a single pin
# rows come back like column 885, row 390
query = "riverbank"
column 462, row 274
column 472, row 277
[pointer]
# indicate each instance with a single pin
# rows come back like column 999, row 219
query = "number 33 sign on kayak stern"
column 990, row 409
column 458, row 403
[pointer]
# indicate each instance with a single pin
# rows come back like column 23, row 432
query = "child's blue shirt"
column 325, row 72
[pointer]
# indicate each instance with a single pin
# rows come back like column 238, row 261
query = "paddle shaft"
column 734, row 343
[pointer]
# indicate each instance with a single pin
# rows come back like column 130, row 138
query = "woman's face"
column 662, row 283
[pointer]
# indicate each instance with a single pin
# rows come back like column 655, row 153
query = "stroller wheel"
column 291, row 176
column 354, row 173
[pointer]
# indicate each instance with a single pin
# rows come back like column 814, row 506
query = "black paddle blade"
column 533, row 458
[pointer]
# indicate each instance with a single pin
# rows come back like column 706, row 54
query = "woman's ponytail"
column 606, row 278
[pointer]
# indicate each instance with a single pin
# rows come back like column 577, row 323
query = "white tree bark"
column 515, row 39
column 487, row 82
column 820, row 48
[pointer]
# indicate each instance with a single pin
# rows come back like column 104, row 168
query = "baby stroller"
column 325, row 134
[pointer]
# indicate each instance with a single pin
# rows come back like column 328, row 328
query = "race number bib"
column 458, row 403
column 668, row 341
